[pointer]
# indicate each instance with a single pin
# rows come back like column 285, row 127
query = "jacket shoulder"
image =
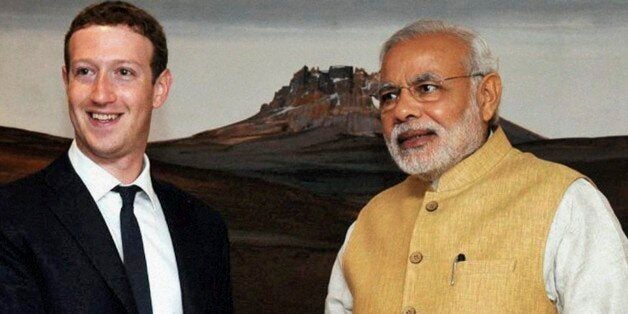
column 26, row 189
column 528, row 163
column 178, row 200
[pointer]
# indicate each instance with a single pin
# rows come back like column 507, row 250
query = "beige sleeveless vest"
column 493, row 210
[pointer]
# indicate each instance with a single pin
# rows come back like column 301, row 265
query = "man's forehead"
column 111, row 41
column 430, row 56
column 104, row 29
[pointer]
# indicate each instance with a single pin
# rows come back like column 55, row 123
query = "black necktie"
column 133, row 249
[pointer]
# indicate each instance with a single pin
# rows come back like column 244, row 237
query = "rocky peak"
column 339, row 97
column 340, row 85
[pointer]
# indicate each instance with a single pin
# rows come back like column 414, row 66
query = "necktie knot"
column 127, row 193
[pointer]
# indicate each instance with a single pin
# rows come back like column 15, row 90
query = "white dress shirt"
column 585, row 266
column 161, row 265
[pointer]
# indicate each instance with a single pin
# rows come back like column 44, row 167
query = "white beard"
column 452, row 145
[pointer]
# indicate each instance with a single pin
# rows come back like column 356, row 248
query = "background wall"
column 563, row 63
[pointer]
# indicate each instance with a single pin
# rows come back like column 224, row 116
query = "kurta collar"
column 477, row 164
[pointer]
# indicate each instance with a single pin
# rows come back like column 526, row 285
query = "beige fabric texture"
column 495, row 207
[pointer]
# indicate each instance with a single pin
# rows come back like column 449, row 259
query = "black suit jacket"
column 57, row 255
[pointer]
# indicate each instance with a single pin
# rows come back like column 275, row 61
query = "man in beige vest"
column 478, row 226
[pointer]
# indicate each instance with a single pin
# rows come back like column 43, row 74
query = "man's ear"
column 65, row 76
column 488, row 95
column 162, row 88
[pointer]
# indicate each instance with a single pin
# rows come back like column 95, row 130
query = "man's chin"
column 414, row 157
column 102, row 150
column 415, row 161
column 412, row 166
column 420, row 164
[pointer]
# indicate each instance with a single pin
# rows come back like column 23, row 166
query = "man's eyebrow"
column 419, row 78
column 110, row 62
column 387, row 85
column 423, row 77
column 125, row 61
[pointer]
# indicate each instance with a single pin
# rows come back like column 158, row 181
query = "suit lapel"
column 77, row 211
column 184, row 244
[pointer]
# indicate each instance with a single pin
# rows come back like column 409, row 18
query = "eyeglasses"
column 424, row 88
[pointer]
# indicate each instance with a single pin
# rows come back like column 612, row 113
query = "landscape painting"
column 290, row 179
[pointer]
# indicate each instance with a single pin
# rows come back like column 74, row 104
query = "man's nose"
column 103, row 92
column 407, row 107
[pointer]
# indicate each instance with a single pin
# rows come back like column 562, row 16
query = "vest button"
column 409, row 310
column 431, row 206
column 416, row 257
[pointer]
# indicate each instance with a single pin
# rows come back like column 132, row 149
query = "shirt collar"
column 99, row 182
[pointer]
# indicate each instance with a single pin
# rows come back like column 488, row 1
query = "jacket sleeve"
column 19, row 291
column 225, row 274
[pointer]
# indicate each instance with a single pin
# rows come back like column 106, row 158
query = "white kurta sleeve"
column 339, row 299
column 585, row 265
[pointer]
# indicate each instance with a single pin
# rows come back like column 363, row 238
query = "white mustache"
column 414, row 125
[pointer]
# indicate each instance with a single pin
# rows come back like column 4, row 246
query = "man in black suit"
column 93, row 233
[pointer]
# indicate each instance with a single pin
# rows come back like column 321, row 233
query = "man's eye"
column 125, row 72
column 388, row 97
column 81, row 71
column 426, row 88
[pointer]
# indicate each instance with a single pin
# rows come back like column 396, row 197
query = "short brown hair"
column 123, row 13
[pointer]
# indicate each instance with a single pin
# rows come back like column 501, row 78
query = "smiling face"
column 428, row 138
column 110, row 93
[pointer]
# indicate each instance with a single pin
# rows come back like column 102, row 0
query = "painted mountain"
column 290, row 179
